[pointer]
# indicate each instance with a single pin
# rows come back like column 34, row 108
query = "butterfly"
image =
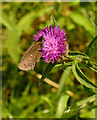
column 32, row 55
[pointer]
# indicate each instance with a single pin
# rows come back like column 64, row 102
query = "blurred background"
column 22, row 95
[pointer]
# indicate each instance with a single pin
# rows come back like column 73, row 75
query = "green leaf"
column 58, row 66
column 46, row 99
column 53, row 21
column 90, row 65
column 46, row 71
column 92, row 48
column 12, row 44
column 83, row 21
column 73, row 110
column 77, row 55
column 62, row 104
column 68, row 64
column 27, row 89
column 89, row 99
column 81, row 77
column 65, row 77
column 6, row 21
column 26, row 21
column 63, row 65
column 95, row 26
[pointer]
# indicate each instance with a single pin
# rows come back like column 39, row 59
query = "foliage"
column 23, row 96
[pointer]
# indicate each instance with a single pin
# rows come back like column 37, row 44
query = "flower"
column 54, row 45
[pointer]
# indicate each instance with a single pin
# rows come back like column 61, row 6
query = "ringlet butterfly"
column 32, row 55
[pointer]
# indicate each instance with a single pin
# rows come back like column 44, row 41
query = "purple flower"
column 54, row 44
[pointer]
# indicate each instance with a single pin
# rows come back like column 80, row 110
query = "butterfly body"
column 32, row 55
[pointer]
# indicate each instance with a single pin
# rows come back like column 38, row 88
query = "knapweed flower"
column 54, row 45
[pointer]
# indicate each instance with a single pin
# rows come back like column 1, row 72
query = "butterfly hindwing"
column 31, row 56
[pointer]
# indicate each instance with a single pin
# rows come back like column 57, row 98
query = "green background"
column 22, row 95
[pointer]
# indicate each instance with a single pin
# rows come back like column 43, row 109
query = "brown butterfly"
column 32, row 55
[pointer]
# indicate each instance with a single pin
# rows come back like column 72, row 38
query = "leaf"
column 73, row 110
column 62, row 104
column 81, row 77
column 6, row 21
column 77, row 55
column 27, row 89
column 26, row 21
column 29, row 107
column 64, row 78
column 12, row 44
column 63, row 65
column 83, row 21
column 58, row 66
column 12, row 38
column 46, row 71
column 68, row 64
column 90, row 65
column 89, row 99
column 95, row 26
column 92, row 48
column 53, row 21
column 46, row 99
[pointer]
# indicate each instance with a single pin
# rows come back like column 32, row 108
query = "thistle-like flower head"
column 54, row 44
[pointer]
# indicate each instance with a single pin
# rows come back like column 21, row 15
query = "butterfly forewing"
column 31, row 56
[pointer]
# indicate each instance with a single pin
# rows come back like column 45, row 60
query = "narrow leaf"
column 89, row 99
column 63, row 65
column 46, row 99
column 73, row 110
column 77, row 55
column 83, row 21
column 81, row 77
column 53, row 21
column 62, row 104
column 27, row 89
column 92, row 48
column 12, row 44
column 58, row 66
column 6, row 21
column 25, row 21
column 90, row 65
column 64, row 78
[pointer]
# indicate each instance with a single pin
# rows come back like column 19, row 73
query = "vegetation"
column 72, row 93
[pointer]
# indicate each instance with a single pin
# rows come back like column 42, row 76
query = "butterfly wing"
column 31, row 56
